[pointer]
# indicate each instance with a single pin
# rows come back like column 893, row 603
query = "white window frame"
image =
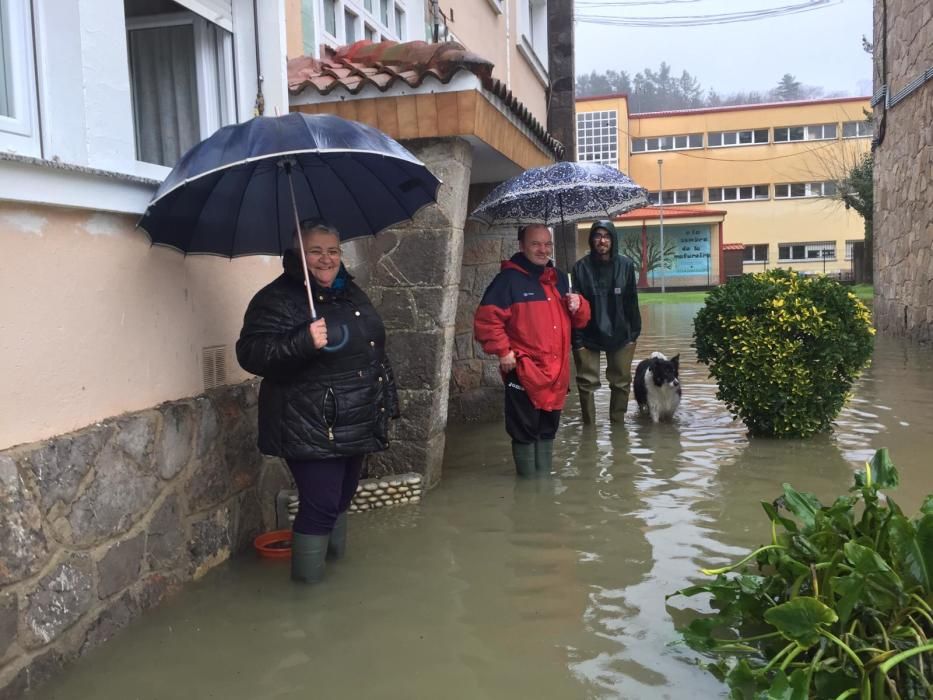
column 754, row 259
column 785, row 190
column 849, row 245
column 399, row 17
column 357, row 24
column 710, row 137
column 665, row 143
column 808, row 247
column 718, row 194
column 811, row 132
column 19, row 133
column 532, row 37
column 597, row 143
column 863, row 129
column 206, row 67
column 693, row 195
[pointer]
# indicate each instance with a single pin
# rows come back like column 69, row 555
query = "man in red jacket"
column 525, row 319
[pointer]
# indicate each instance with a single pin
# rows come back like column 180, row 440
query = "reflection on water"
column 497, row 588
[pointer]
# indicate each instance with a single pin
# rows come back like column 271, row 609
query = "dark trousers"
column 325, row 489
column 523, row 422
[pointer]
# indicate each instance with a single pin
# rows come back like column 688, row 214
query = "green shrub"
column 784, row 349
column 838, row 605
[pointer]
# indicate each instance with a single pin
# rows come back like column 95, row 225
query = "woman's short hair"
column 309, row 226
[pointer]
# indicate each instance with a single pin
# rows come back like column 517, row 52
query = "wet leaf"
column 804, row 505
column 880, row 473
column 776, row 517
column 784, row 688
column 927, row 507
column 801, row 619
column 830, row 683
column 912, row 549
column 699, row 633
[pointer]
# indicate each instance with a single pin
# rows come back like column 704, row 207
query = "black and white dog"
column 657, row 386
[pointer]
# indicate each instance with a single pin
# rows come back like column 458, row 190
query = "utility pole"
column 661, row 216
column 561, row 108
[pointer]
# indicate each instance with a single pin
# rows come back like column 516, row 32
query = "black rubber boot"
column 544, row 456
column 524, row 456
column 337, row 547
column 308, row 554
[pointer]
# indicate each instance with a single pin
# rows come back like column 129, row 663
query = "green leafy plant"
column 838, row 605
column 783, row 349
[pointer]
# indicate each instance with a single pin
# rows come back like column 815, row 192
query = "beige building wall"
column 95, row 322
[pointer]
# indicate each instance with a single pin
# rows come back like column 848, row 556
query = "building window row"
column 796, row 190
column 751, row 137
column 795, row 252
column 598, row 137
column 667, row 143
column 694, row 196
column 739, row 194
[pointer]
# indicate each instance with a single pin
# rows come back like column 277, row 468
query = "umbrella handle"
column 287, row 165
column 343, row 341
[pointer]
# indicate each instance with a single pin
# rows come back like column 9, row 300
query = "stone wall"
column 475, row 383
column 100, row 524
column 903, row 172
column 415, row 276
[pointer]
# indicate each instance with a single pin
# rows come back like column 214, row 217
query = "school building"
column 755, row 178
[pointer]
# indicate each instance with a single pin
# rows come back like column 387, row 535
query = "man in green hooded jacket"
column 606, row 279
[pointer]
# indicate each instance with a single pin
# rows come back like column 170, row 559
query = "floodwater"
column 498, row 588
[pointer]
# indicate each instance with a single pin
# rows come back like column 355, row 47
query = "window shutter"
column 220, row 12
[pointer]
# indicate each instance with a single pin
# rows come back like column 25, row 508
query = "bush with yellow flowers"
column 784, row 349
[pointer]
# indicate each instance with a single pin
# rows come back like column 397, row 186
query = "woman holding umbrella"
column 327, row 389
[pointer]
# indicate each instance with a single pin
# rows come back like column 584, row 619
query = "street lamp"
column 661, row 216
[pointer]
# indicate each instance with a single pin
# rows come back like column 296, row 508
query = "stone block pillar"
column 414, row 277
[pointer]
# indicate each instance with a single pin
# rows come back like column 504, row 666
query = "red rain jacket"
column 524, row 309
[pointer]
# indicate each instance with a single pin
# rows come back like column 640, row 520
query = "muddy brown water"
column 496, row 588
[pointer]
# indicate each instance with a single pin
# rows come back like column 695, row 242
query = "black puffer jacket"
column 314, row 403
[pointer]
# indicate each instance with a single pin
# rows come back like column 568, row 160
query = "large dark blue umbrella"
column 561, row 193
column 243, row 190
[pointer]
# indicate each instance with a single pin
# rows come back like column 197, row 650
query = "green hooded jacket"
column 612, row 291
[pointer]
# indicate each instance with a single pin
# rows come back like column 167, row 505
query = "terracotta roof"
column 733, row 246
column 388, row 63
column 669, row 213
column 739, row 108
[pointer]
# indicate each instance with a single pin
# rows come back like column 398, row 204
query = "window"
column 738, row 194
column 384, row 12
column 667, row 143
column 349, row 26
column 18, row 113
column 678, row 197
column 795, row 190
column 757, row 253
column 598, row 137
column 370, row 33
column 849, row 248
column 330, row 17
column 856, row 130
column 368, row 4
column 533, row 32
column 750, row 137
column 181, row 81
column 399, row 23
column 814, row 132
column 809, row 252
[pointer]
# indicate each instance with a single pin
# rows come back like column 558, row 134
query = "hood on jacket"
column 606, row 225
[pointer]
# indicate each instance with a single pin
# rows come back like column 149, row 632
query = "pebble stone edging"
column 371, row 494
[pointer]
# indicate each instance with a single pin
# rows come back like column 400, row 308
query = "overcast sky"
column 821, row 47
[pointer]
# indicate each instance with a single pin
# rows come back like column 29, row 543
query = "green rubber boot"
column 308, row 554
column 587, row 407
column 337, row 546
column 544, row 456
column 524, row 456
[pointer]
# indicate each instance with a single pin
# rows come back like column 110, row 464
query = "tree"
column 788, row 89
column 631, row 246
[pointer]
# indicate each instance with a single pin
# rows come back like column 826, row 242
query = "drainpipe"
column 722, row 269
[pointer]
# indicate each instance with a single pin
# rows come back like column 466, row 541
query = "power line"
column 698, row 20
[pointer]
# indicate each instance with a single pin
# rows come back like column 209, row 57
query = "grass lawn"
column 865, row 292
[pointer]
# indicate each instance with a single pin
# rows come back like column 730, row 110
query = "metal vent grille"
column 214, row 365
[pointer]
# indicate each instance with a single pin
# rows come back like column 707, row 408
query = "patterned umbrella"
column 561, row 193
